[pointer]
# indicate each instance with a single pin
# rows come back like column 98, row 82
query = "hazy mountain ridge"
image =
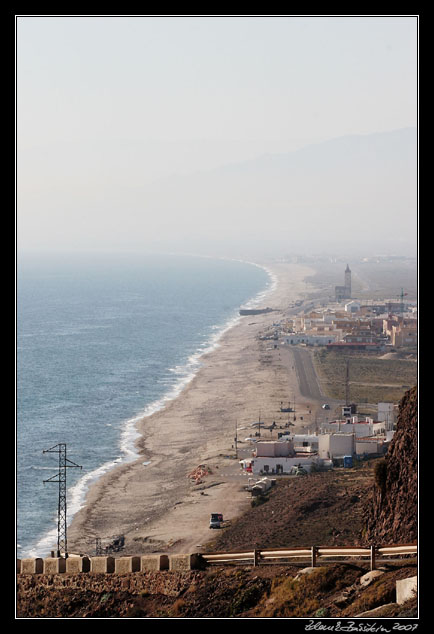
column 364, row 184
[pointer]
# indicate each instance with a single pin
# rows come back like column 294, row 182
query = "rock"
column 375, row 611
column 369, row 577
column 390, row 513
column 406, row 589
column 305, row 571
column 341, row 600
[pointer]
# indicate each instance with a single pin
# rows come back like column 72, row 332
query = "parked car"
column 326, row 406
column 216, row 520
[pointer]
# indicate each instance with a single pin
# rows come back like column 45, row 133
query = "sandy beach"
column 152, row 501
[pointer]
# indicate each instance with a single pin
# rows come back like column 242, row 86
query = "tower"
column 348, row 282
column 344, row 292
column 60, row 478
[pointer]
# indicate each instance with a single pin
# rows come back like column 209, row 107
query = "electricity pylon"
column 64, row 462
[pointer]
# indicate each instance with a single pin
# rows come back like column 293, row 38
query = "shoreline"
column 129, row 435
column 150, row 499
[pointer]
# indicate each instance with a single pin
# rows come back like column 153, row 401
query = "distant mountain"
column 358, row 187
column 335, row 152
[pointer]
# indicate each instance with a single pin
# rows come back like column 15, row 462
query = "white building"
column 274, row 449
column 361, row 429
column 368, row 446
column 386, row 412
column 352, row 307
column 336, row 445
column 310, row 339
column 269, row 465
column 305, row 443
column 345, row 426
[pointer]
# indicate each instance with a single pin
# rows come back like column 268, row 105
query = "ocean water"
column 101, row 342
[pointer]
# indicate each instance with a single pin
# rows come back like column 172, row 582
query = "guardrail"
column 313, row 554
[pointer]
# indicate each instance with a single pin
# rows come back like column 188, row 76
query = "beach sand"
column 152, row 501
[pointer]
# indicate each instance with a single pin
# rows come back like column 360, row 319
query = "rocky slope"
column 263, row 592
column 390, row 513
column 376, row 500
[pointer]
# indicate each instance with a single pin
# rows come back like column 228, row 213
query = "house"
column 403, row 335
column 362, row 335
column 361, row 429
column 276, row 457
column 352, row 307
column 369, row 447
column 274, row 449
column 305, row 443
column 310, row 339
column 259, row 465
column 336, row 445
column 386, row 412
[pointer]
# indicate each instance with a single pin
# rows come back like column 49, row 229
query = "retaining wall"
column 108, row 565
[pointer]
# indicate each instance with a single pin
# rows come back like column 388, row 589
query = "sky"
column 112, row 112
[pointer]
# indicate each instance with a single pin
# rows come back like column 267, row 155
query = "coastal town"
column 312, row 384
column 305, row 461
column 343, row 435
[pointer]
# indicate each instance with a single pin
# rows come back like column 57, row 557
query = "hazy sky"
column 108, row 105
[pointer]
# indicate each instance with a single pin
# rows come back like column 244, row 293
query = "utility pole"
column 236, row 439
column 347, row 384
column 64, row 462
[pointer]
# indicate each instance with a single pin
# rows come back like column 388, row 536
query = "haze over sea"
column 101, row 342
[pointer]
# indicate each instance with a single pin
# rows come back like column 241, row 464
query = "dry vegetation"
column 237, row 592
column 372, row 379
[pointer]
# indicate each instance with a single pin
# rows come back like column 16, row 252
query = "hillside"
column 339, row 507
column 268, row 591
column 320, row 509
column 390, row 514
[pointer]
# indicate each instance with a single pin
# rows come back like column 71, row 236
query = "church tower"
column 348, row 282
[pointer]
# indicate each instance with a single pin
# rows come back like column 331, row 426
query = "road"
column 300, row 359
column 307, row 378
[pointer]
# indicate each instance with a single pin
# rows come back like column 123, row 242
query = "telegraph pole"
column 60, row 477
column 347, row 384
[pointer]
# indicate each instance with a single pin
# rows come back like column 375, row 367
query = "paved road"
column 309, row 386
column 307, row 378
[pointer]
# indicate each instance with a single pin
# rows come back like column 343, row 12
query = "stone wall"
column 109, row 565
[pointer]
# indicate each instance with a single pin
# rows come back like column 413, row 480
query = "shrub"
column 380, row 474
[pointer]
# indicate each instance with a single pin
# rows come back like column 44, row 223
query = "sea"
column 101, row 342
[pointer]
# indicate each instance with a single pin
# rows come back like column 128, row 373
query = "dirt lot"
column 373, row 378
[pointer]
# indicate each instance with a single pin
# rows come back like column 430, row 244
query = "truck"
column 216, row 520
